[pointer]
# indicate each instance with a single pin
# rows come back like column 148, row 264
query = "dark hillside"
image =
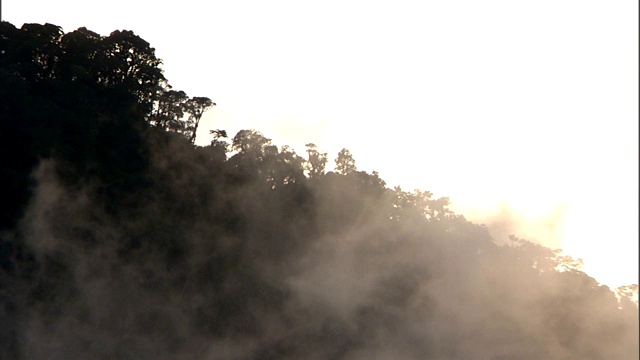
column 121, row 239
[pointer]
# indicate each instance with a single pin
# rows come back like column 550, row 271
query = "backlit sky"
column 524, row 113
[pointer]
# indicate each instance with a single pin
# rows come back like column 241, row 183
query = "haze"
column 524, row 111
column 122, row 238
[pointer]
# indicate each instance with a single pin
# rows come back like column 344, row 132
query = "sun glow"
column 524, row 114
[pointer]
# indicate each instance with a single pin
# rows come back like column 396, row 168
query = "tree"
column 345, row 162
column 250, row 142
column 127, row 62
column 81, row 50
column 169, row 110
column 258, row 158
column 289, row 167
column 216, row 142
column 36, row 51
column 249, row 146
column 627, row 295
column 316, row 161
column 195, row 107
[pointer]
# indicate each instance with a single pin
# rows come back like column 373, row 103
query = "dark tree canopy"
column 122, row 239
column 316, row 161
column 345, row 163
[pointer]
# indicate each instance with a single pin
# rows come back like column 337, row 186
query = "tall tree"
column 195, row 107
column 316, row 161
column 345, row 162
column 169, row 110
column 129, row 63
column 36, row 51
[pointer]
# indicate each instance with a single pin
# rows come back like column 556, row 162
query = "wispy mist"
column 196, row 268
column 124, row 240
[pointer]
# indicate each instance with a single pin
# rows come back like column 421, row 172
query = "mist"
column 125, row 240
column 326, row 269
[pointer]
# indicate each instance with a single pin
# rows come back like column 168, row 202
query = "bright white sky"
column 525, row 110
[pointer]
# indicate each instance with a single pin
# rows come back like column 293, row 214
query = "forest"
column 120, row 238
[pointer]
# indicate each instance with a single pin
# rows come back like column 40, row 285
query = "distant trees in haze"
column 316, row 161
column 120, row 238
column 345, row 162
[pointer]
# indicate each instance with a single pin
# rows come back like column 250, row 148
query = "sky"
column 523, row 113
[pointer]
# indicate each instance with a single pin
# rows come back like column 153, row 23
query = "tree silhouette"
column 115, row 229
column 195, row 107
column 345, row 162
column 316, row 161
column 169, row 110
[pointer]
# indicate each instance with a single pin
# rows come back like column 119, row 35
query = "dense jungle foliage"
column 122, row 239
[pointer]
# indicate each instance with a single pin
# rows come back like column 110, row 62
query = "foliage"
column 345, row 162
column 122, row 239
column 316, row 161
